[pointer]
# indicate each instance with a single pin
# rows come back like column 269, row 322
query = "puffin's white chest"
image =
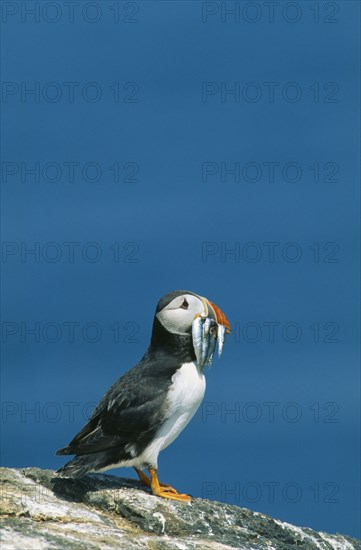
column 184, row 397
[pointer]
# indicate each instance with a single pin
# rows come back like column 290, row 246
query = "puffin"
column 146, row 409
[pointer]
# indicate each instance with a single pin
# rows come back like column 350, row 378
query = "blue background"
column 168, row 51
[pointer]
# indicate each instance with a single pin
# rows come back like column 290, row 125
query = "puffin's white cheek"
column 177, row 321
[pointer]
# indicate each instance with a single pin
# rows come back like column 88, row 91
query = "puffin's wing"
column 130, row 412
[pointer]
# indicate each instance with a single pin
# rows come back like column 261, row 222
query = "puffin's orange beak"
column 220, row 316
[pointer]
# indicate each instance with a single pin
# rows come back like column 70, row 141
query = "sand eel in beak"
column 148, row 407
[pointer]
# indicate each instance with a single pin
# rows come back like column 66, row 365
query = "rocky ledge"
column 41, row 512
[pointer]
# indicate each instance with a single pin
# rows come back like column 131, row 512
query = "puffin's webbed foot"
column 164, row 490
column 144, row 479
column 160, row 489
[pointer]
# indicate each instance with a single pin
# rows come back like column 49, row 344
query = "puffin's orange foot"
column 168, row 488
column 165, row 491
column 144, row 479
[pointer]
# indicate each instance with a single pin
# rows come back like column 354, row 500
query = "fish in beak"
column 208, row 328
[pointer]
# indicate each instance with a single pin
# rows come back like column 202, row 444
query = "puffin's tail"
column 86, row 463
column 77, row 467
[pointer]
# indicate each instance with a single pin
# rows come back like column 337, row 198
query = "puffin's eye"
column 185, row 304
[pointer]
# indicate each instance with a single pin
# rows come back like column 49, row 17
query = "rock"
column 41, row 512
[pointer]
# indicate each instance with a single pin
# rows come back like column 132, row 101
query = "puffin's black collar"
column 178, row 345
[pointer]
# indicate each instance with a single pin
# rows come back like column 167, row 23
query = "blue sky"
column 174, row 145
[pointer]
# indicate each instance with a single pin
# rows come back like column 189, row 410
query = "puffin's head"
column 177, row 310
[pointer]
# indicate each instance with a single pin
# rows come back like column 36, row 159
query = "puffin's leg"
column 143, row 478
column 165, row 491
